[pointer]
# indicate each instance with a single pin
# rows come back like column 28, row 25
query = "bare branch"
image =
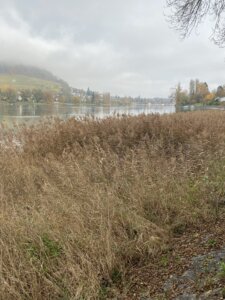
column 188, row 14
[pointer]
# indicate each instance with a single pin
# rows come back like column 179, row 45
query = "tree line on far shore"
column 26, row 95
column 198, row 92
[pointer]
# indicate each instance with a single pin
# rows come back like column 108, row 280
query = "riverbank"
column 86, row 205
column 191, row 267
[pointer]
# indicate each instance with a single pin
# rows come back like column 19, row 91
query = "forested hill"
column 23, row 83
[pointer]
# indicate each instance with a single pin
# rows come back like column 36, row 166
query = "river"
column 32, row 112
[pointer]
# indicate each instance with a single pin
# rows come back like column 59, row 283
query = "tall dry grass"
column 82, row 202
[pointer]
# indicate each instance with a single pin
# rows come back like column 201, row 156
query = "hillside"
column 29, row 71
column 27, row 76
column 17, row 79
column 21, row 82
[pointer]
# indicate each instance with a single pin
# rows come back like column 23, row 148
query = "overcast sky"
column 124, row 47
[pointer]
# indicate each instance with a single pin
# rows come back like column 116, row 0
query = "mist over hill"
column 29, row 71
column 32, row 84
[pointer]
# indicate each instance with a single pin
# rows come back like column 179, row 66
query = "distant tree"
column 181, row 96
column 10, row 95
column 26, row 94
column 38, row 95
column 48, row 96
column 196, row 85
column 202, row 90
column 76, row 99
column 89, row 92
column 93, row 96
column 106, row 98
column 220, row 92
column 209, row 98
column 192, row 89
column 62, row 98
column 188, row 14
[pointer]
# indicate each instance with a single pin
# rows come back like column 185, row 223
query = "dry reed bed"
column 84, row 201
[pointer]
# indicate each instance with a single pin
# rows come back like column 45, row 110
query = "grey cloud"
column 125, row 47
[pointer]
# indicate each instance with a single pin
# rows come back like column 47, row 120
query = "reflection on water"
column 31, row 112
column 186, row 108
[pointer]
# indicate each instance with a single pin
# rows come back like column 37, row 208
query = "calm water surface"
column 32, row 112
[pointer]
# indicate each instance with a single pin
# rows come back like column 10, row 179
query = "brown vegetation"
column 82, row 202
